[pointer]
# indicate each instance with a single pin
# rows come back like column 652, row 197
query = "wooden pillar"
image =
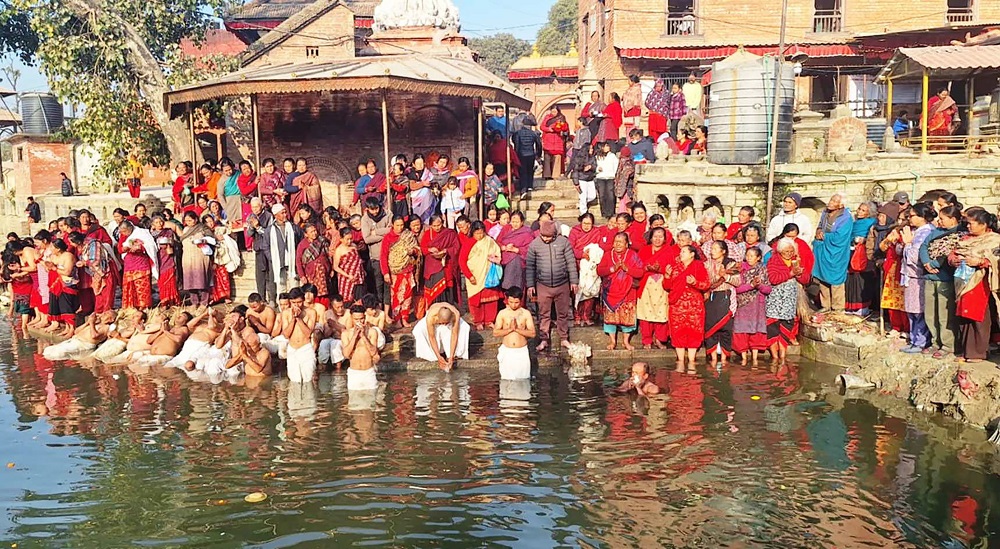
column 478, row 109
column 194, row 143
column 256, row 133
column 924, row 114
column 510, row 176
column 385, row 151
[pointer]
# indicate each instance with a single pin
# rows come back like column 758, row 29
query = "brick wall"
column 36, row 165
column 325, row 34
column 544, row 93
column 335, row 132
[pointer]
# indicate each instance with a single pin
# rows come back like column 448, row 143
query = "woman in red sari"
column 514, row 243
column 613, row 119
column 400, row 264
column 184, row 197
column 440, row 247
column 621, row 269
column 167, row 245
column 580, row 237
column 686, row 283
column 478, row 256
column 942, row 110
column 348, row 266
column 651, row 309
column 312, row 260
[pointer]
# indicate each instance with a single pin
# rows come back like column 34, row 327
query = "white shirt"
column 693, row 93
column 806, row 230
column 607, row 167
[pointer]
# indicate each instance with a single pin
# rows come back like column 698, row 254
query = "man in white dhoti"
column 516, row 327
column 441, row 336
column 84, row 340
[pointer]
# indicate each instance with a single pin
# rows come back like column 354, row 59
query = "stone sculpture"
column 398, row 14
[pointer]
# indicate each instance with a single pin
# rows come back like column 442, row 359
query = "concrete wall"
column 976, row 181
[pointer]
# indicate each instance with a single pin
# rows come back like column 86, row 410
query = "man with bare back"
column 329, row 333
column 167, row 341
column 260, row 316
column 361, row 349
column 298, row 323
column 273, row 341
column 204, row 329
column 441, row 336
column 85, row 340
column 516, row 326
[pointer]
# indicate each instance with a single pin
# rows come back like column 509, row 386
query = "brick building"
column 840, row 45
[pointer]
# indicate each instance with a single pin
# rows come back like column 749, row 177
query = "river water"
column 100, row 457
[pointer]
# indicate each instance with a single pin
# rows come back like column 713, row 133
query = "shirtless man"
column 309, row 300
column 639, row 381
column 255, row 358
column 204, row 329
column 85, row 340
column 134, row 333
column 260, row 317
column 441, row 336
column 328, row 333
column 361, row 349
column 168, row 340
column 516, row 326
column 298, row 323
column 276, row 343
column 221, row 358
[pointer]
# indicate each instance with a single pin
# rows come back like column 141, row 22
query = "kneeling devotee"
column 85, row 339
column 298, row 323
column 516, row 327
column 361, row 350
column 441, row 336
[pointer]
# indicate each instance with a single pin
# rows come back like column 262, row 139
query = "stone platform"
column 968, row 392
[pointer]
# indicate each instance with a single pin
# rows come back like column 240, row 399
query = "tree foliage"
column 117, row 58
column 17, row 37
column 499, row 51
column 560, row 30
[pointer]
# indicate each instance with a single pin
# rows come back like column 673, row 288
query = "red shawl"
column 519, row 238
column 806, row 257
column 734, row 229
column 466, row 242
column 677, row 286
column 178, row 190
column 98, row 233
column 312, row 256
column 247, row 185
column 580, row 239
column 618, row 285
column 607, row 237
column 779, row 273
column 637, row 234
column 661, row 259
column 390, row 238
column 447, row 240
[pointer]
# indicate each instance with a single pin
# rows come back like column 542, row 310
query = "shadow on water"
column 102, row 457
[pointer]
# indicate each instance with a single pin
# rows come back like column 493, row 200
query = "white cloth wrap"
column 515, row 363
column 361, row 380
column 422, row 344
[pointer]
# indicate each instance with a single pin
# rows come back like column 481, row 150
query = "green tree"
column 114, row 57
column 499, row 51
column 17, row 36
column 560, row 31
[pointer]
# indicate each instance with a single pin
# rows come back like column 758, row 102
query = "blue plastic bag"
column 493, row 276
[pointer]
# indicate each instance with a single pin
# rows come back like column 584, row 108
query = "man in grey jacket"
column 551, row 276
column 375, row 224
column 256, row 227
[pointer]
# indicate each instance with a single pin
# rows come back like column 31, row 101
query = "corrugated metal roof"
column 418, row 73
column 9, row 118
column 954, row 57
column 283, row 9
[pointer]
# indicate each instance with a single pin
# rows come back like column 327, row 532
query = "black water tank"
column 41, row 113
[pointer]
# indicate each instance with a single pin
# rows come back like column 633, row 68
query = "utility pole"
column 776, row 110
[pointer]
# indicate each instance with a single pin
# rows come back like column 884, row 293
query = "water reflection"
column 112, row 456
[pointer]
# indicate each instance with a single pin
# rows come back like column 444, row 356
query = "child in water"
column 639, row 381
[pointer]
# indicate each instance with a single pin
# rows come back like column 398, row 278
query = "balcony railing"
column 961, row 15
column 827, row 21
column 682, row 24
